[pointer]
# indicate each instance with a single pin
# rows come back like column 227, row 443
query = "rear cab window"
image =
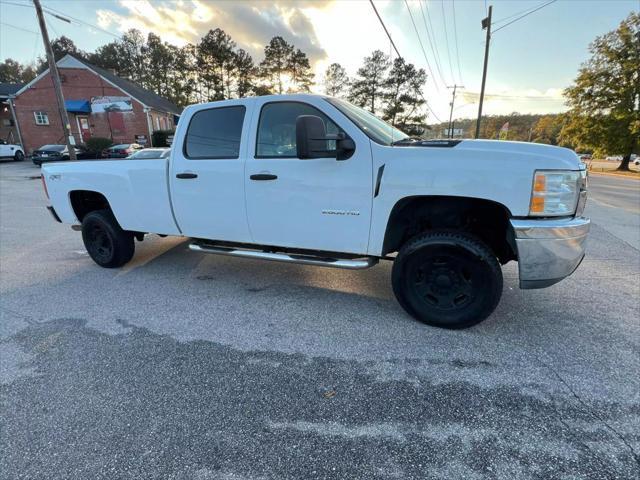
column 214, row 133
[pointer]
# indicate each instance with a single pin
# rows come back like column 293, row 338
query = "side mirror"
column 311, row 140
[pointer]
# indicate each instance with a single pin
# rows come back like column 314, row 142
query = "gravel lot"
column 188, row 366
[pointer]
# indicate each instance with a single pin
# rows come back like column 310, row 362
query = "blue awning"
column 77, row 106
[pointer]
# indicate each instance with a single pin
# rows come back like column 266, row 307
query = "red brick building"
column 8, row 128
column 99, row 104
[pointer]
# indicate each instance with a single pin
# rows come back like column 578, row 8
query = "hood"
column 535, row 155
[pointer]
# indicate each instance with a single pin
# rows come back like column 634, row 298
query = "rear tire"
column 107, row 244
column 447, row 279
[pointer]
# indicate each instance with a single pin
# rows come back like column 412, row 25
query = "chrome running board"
column 349, row 264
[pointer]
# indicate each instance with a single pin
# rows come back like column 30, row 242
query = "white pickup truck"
column 315, row 180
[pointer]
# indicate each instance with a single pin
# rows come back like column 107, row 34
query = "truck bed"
column 137, row 190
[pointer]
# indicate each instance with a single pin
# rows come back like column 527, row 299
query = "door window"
column 277, row 129
column 215, row 133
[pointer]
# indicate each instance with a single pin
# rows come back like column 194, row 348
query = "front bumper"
column 549, row 250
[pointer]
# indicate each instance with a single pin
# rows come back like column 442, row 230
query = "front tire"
column 107, row 244
column 447, row 279
column 18, row 156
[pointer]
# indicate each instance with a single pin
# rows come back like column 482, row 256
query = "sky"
column 530, row 62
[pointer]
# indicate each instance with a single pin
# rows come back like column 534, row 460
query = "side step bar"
column 349, row 264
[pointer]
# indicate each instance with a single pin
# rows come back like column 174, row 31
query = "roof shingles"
column 7, row 89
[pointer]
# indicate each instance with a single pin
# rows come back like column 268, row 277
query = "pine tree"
column 403, row 100
column 370, row 83
column 215, row 55
column 300, row 71
column 245, row 73
column 336, row 80
column 274, row 69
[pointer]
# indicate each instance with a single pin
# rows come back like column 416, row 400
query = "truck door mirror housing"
column 312, row 137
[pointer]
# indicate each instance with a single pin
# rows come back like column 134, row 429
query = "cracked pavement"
column 188, row 366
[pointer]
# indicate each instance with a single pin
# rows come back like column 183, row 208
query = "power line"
column 421, row 46
column 508, row 17
column 400, row 56
column 64, row 17
column 526, row 14
column 455, row 35
column 18, row 28
column 53, row 12
column 385, row 28
column 434, row 51
column 446, row 38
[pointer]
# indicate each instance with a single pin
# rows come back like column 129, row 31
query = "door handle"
column 263, row 176
column 187, row 175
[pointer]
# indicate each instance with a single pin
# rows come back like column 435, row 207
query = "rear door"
column 318, row 204
column 206, row 173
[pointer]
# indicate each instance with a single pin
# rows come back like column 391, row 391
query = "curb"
column 619, row 175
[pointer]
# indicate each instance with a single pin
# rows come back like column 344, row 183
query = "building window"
column 42, row 118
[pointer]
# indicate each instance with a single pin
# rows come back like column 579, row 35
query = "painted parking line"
column 160, row 249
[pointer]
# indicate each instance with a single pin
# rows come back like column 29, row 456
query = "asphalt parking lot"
column 188, row 366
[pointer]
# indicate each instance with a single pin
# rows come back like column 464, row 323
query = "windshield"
column 377, row 130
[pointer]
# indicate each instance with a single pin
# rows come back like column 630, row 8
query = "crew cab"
column 315, row 180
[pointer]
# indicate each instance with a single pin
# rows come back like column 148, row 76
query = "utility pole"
column 55, row 77
column 486, row 23
column 453, row 99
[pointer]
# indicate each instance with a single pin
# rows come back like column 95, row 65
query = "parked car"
column 635, row 159
column 614, row 158
column 57, row 153
column 150, row 153
column 11, row 151
column 122, row 150
column 316, row 180
column 585, row 157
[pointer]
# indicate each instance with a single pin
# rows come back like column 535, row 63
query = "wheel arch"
column 487, row 219
column 85, row 201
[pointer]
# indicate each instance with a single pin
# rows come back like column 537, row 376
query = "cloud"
column 251, row 23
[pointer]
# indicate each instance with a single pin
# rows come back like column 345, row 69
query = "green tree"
column 403, row 100
column 12, row 71
column 336, row 80
column 108, row 57
column 300, row 71
column 215, row 55
column 605, row 98
column 62, row 46
column 132, row 50
column 547, row 130
column 126, row 57
column 370, row 83
column 275, row 68
column 245, row 73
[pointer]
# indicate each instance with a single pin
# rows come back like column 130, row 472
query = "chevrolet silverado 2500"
column 315, row 180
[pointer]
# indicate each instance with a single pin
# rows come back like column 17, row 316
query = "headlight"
column 554, row 193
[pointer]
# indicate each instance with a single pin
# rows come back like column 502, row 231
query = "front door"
column 207, row 174
column 83, row 128
column 318, row 204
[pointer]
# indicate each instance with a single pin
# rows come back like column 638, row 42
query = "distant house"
column 8, row 128
column 98, row 102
